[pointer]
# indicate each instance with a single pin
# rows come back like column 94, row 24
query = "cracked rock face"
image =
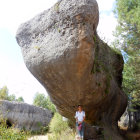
column 62, row 50
column 24, row 116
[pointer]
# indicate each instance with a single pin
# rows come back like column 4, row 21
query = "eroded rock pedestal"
column 24, row 116
column 62, row 50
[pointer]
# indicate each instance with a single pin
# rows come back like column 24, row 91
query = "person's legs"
column 80, row 134
column 77, row 130
column 82, row 130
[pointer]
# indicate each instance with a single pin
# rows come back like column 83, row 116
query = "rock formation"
column 130, row 119
column 124, row 120
column 24, row 116
column 62, row 50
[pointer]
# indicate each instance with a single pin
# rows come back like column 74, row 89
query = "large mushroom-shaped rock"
column 62, row 50
column 24, row 116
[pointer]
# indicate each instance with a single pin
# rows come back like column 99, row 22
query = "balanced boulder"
column 62, row 50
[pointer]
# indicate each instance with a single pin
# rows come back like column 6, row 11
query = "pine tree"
column 128, row 39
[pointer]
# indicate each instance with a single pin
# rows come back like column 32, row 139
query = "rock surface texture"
column 24, row 116
column 62, row 50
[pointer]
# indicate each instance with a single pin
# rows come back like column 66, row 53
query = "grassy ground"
column 64, row 135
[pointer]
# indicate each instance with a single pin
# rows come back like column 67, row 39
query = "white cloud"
column 24, row 84
column 107, row 21
column 19, row 80
column 14, row 12
column 107, row 25
column 105, row 5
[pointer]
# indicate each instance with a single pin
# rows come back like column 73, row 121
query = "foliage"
column 128, row 39
column 11, row 133
column 130, row 85
column 42, row 131
column 128, row 29
column 20, row 99
column 42, row 101
column 11, row 97
column 4, row 95
column 57, row 124
column 60, row 130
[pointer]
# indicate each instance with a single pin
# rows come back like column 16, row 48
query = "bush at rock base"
column 10, row 133
column 59, row 129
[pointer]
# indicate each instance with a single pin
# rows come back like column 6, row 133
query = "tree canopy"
column 43, row 101
column 128, row 39
column 128, row 29
column 4, row 95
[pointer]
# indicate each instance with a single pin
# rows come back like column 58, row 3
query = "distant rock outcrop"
column 24, row 116
column 62, row 50
column 130, row 119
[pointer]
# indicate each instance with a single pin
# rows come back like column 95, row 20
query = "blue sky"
column 13, row 72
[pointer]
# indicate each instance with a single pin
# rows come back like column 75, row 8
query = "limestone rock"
column 24, row 116
column 124, row 120
column 130, row 119
column 62, row 50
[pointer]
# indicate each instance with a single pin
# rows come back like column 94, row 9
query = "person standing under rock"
column 80, row 117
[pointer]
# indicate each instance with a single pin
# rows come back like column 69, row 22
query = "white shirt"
column 80, row 115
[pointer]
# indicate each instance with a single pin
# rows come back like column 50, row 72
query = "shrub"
column 57, row 124
column 11, row 133
column 59, row 129
column 43, row 130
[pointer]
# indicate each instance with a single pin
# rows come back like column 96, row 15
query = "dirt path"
column 39, row 138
